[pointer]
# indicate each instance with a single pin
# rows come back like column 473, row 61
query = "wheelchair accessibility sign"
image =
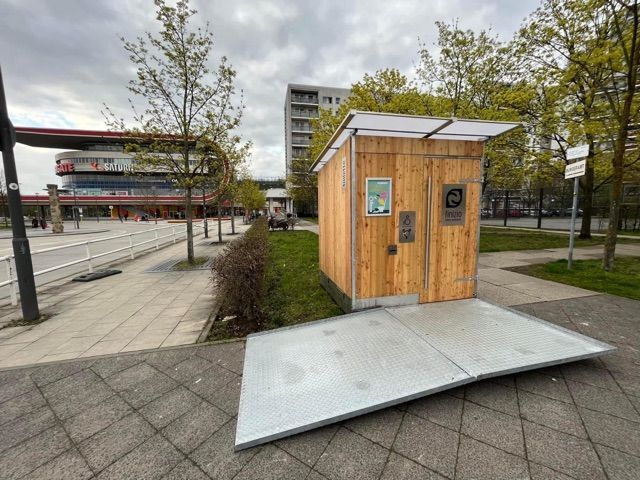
column 453, row 204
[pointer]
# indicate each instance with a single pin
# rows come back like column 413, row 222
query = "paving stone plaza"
column 170, row 413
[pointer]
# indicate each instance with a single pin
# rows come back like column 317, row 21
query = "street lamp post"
column 21, row 250
column 75, row 207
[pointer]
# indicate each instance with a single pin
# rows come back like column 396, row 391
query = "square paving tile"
column 551, row 413
column 440, row 408
column 619, row 465
column 495, row 428
column 26, row 427
column 119, row 438
column 186, row 470
column 380, row 427
column 612, row 431
column 308, row 446
column 493, row 396
column 185, row 370
column 69, row 465
column 191, row 429
column 585, row 372
column 605, row 401
column 428, row 444
column 565, row 453
column 20, row 405
column 215, row 456
column 96, row 418
column 479, row 461
column 164, row 410
column 552, row 387
column 152, row 459
column 352, row 457
column 400, row 468
column 36, row 451
column 275, row 464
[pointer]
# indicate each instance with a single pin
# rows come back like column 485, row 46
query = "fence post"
column 131, row 246
column 89, row 257
column 12, row 285
column 157, row 244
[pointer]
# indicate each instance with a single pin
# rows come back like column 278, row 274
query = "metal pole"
column 576, row 184
column 204, row 215
column 233, row 214
column 21, row 250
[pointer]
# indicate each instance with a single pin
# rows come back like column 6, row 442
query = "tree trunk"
column 587, row 198
column 189, row 216
column 615, row 200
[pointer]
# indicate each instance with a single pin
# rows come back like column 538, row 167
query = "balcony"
column 304, row 113
column 304, row 98
column 301, row 127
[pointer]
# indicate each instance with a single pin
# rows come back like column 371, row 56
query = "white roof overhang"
column 410, row 126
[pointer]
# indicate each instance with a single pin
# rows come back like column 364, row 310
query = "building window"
column 337, row 100
column 326, row 100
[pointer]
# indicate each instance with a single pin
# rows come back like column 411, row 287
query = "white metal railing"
column 176, row 232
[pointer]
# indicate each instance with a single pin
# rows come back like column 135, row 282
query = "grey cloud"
column 62, row 59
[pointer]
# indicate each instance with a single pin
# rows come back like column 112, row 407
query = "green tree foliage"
column 187, row 125
column 474, row 75
column 249, row 194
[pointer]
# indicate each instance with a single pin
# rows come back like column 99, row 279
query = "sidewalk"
column 134, row 310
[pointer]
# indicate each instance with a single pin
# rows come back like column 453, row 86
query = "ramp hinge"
column 471, row 180
column 467, row 279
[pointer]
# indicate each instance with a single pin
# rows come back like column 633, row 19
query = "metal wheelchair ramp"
column 302, row 377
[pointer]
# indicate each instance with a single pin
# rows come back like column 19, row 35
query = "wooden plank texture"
column 334, row 210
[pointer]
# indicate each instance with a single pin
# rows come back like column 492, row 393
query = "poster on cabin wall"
column 378, row 195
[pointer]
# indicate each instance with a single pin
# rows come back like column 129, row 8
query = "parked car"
column 550, row 213
column 567, row 212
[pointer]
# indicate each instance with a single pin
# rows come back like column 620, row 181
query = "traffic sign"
column 576, row 169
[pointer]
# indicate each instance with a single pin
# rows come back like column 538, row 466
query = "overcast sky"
column 61, row 60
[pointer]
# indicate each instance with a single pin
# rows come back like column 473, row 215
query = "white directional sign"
column 576, row 169
column 581, row 151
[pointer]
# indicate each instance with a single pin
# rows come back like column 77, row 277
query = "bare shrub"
column 238, row 276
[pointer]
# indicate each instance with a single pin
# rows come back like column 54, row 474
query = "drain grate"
column 171, row 266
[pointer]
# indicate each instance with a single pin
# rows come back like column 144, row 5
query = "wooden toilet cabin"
column 399, row 208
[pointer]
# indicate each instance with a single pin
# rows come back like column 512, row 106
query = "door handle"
column 428, row 235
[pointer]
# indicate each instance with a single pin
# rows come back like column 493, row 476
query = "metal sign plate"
column 580, row 151
column 453, row 204
column 407, row 227
column 576, row 169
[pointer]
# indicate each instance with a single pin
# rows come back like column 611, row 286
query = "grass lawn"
column 500, row 240
column 294, row 294
column 624, row 280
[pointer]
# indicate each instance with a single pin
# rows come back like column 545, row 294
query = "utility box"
column 399, row 208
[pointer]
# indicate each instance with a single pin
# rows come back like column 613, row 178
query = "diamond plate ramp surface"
column 488, row 340
column 303, row 377
column 310, row 375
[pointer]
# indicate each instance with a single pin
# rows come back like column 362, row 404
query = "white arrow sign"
column 581, row 151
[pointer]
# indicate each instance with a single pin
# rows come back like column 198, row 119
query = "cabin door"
column 452, row 191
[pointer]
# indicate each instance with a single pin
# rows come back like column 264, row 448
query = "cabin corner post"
column 354, row 201
column 480, row 183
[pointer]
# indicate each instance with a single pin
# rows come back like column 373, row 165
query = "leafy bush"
column 238, row 275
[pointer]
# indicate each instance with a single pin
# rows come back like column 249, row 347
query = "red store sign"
column 62, row 168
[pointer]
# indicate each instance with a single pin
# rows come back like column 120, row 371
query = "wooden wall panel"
column 334, row 218
column 452, row 254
